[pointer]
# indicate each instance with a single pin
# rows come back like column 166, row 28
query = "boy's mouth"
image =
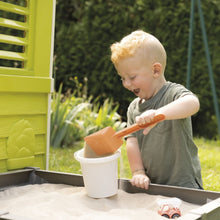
column 136, row 91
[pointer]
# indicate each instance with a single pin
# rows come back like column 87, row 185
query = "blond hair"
column 139, row 41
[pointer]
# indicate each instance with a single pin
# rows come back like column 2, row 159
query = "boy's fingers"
column 142, row 120
column 146, row 183
column 140, row 181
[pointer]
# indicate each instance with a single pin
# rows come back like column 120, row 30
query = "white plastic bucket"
column 100, row 175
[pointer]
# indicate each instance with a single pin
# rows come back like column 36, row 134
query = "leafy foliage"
column 73, row 118
column 64, row 115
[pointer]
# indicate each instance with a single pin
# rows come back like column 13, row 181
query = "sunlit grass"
column 124, row 168
column 209, row 154
column 62, row 159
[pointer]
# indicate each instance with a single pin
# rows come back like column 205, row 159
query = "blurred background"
column 86, row 29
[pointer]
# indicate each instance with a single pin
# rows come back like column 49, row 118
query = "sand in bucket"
column 100, row 174
column 90, row 153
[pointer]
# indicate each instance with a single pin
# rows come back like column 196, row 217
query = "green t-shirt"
column 168, row 152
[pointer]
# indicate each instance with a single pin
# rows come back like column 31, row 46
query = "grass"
column 209, row 153
column 62, row 160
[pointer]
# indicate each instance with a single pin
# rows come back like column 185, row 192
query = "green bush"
column 86, row 29
column 73, row 118
column 64, row 119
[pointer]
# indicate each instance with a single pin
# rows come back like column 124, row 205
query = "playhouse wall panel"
column 26, row 83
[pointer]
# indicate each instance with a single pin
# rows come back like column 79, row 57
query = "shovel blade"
column 103, row 142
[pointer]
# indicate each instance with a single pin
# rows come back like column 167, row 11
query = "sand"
column 64, row 202
column 90, row 153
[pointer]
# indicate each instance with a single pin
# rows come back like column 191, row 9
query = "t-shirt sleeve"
column 179, row 91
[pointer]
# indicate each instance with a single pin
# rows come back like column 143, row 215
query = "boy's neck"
column 160, row 83
column 159, row 87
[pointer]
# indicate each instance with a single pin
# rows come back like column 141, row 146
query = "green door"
column 26, row 50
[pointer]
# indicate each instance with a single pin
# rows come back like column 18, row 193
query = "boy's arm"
column 182, row 107
column 139, row 177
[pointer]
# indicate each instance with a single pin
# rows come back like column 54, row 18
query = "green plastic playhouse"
column 25, row 82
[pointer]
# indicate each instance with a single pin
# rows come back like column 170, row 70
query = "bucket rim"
column 82, row 159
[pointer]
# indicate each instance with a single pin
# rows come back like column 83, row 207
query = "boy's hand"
column 140, row 180
column 146, row 117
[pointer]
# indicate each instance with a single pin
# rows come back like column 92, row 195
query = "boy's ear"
column 157, row 69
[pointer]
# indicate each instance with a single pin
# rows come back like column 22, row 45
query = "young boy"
column 163, row 153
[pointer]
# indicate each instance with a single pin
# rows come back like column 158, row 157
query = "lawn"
column 209, row 153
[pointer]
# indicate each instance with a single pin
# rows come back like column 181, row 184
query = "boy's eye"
column 130, row 78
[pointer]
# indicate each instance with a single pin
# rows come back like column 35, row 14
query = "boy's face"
column 137, row 76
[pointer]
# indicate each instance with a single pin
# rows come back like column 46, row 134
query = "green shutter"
column 25, row 82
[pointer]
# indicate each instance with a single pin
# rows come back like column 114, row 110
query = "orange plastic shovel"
column 108, row 141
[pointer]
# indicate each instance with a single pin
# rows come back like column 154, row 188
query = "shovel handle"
column 136, row 127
